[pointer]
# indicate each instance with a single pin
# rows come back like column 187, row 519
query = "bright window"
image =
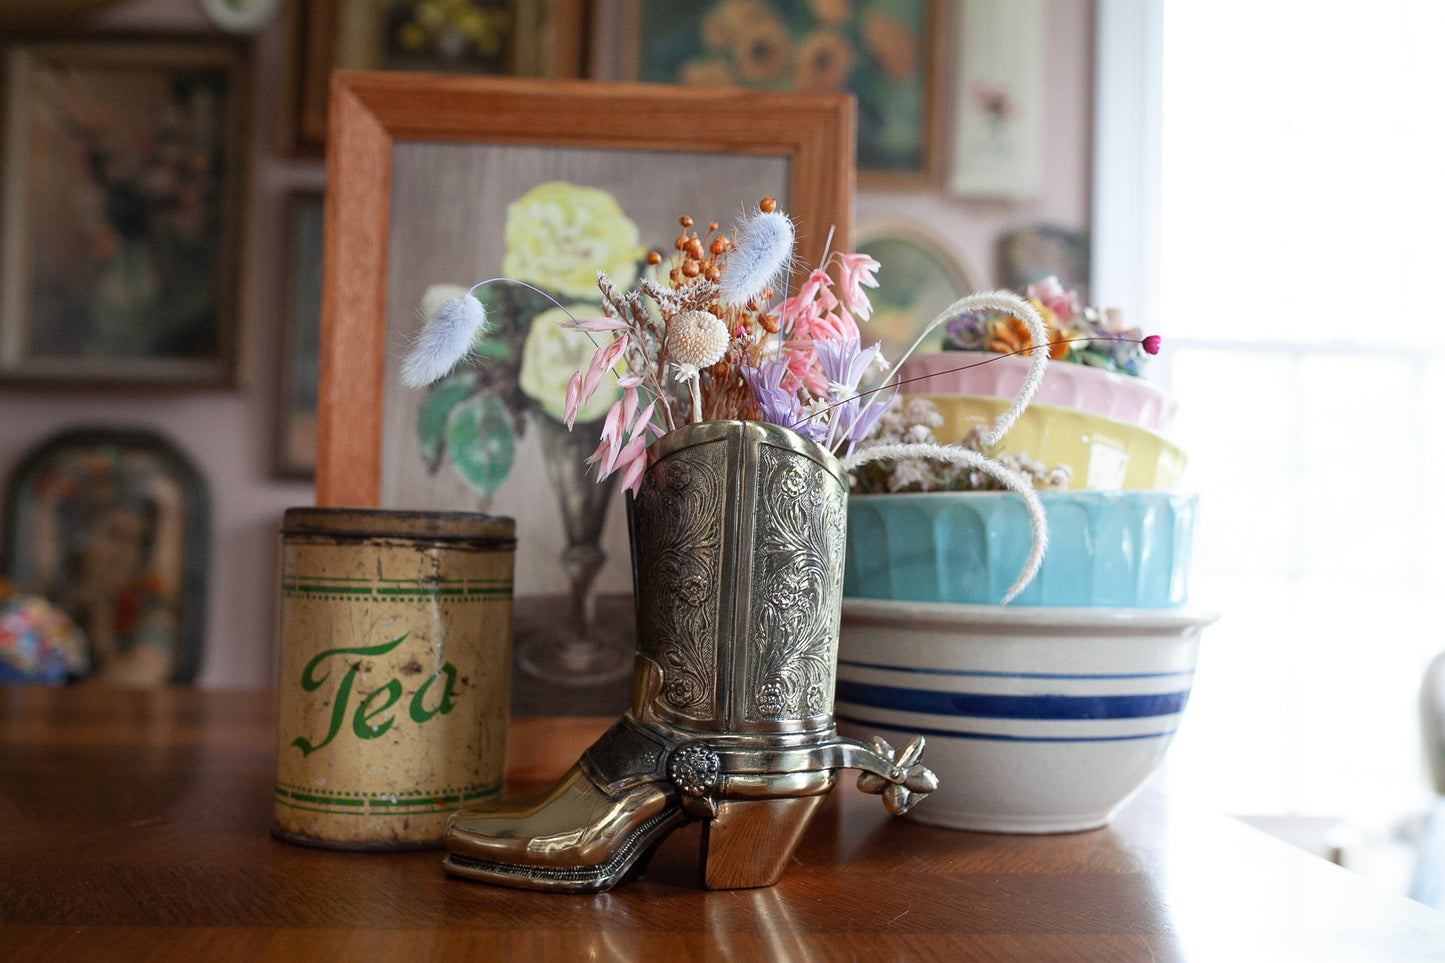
column 1303, row 199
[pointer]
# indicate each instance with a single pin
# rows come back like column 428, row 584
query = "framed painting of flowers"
column 880, row 52
column 121, row 211
column 519, row 38
column 440, row 183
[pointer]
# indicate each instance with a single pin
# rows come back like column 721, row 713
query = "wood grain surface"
column 134, row 825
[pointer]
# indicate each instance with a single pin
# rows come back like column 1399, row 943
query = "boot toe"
column 575, row 824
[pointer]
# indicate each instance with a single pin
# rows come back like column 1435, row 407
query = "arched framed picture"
column 113, row 527
column 919, row 277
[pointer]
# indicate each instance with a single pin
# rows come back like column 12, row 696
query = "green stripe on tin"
column 378, row 804
column 328, row 579
column 330, row 589
column 452, row 588
column 439, row 799
column 307, row 797
column 447, row 810
column 455, row 595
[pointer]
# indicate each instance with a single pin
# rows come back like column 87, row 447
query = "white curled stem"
column 1009, row 303
column 1012, row 480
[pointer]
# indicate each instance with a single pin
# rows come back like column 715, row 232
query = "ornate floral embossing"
column 694, row 769
column 772, row 698
column 694, row 590
column 798, row 582
column 678, row 475
column 676, row 542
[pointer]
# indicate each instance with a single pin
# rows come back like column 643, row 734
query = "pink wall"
column 229, row 434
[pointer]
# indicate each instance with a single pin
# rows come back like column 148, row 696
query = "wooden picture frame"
column 426, row 177
column 546, row 40
column 887, row 55
column 122, row 216
column 375, row 112
column 301, row 338
column 113, row 525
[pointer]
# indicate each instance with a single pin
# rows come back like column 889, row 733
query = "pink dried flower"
column 858, row 272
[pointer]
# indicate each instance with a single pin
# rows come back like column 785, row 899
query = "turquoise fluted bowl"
column 1127, row 549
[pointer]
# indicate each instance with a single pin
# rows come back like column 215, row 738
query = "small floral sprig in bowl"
column 911, row 420
column 1097, row 337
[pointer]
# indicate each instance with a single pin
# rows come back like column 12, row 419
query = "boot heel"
column 751, row 840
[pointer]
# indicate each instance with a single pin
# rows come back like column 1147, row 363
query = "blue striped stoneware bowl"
column 1126, row 549
column 1037, row 720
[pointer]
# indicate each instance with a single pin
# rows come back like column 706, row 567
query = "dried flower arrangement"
column 1078, row 334
column 705, row 341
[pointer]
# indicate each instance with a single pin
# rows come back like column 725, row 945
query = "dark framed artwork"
column 521, row 38
column 1033, row 253
column 121, row 220
column 29, row 13
column 436, row 183
column 884, row 54
column 113, row 526
column 301, row 341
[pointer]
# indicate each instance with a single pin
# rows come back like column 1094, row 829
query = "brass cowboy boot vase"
column 737, row 547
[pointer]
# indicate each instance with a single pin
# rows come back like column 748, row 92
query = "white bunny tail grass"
column 1012, row 480
column 444, row 341
column 1010, row 303
column 764, row 248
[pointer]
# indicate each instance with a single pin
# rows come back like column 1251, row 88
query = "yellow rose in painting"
column 549, row 357
column 559, row 235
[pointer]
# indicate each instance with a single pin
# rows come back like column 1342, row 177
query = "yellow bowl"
column 1103, row 453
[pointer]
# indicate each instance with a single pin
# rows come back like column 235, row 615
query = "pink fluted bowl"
column 1121, row 397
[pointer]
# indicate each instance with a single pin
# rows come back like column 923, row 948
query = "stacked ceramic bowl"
column 1044, row 715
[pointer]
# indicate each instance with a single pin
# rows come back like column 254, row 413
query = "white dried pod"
column 761, row 255
column 697, row 339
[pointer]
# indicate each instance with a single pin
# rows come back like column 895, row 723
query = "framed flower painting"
column 438, row 183
column 122, row 209
column 521, row 38
column 882, row 53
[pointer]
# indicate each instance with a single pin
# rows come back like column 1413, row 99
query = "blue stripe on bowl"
column 1014, row 675
column 991, row 706
column 874, row 724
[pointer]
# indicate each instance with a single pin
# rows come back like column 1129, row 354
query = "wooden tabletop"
column 135, row 825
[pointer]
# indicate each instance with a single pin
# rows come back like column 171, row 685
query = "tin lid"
column 394, row 523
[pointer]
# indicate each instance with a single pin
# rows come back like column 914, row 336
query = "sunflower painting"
column 875, row 49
